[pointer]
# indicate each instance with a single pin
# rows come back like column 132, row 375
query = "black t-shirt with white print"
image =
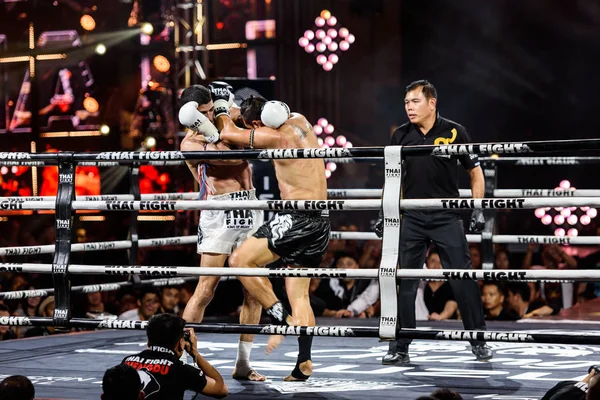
column 163, row 375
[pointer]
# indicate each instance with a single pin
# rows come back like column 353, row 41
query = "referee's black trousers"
column 446, row 231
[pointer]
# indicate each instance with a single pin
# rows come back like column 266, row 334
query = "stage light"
column 348, row 145
column 325, row 14
column 321, row 59
column 341, row 140
column 332, row 33
column 330, row 141
column 303, row 42
column 310, row 35
column 351, row 38
column 327, row 40
column 327, row 174
column 329, row 129
column 87, row 22
column 585, row 220
column 547, row 219
column 150, row 142
column 323, row 122
column 344, row 32
column 320, row 34
column 310, row 48
column 572, row 219
column 344, row 45
column 332, row 21
column 104, row 129
column 320, row 141
column 161, row 64
column 328, row 66
column 540, row 212
column 333, row 58
column 331, row 166
column 332, row 46
column 565, row 212
column 319, row 21
column 100, row 49
column 573, row 232
column 90, row 104
column 559, row 219
column 318, row 129
column 592, row 213
column 147, row 28
column 560, row 232
column 565, row 184
column 4, row 170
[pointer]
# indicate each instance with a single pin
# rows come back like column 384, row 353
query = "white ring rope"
column 310, row 205
column 335, row 235
column 372, row 273
column 332, row 194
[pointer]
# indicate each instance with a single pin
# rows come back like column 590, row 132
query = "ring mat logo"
column 320, row 385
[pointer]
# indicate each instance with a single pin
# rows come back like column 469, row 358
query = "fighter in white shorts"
column 219, row 232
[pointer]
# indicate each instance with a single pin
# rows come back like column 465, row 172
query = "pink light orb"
column 350, row 38
column 547, row 219
column 310, row 35
column 333, row 58
column 344, row 45
column 559, row 219
column 327, row 40
column 330, row 141
column 328, row 66
column 572, row 220
column 329, row 129
column 320, row 141
column 564, row 184
column 331, row 166
column 341, row 140
column 348, row 145
column 323, row 122
column 303, row 42
column 321, row 47
column 592, row 212
column 332, row 33
column 320, row 33
column 333, row 46
column 332, row 21
column 560, row 232
column 321, row 59
column 565, row 212
column 319, row 21
column 573, row 232
column 585, row 220
column 318, row 129
column 310, row 48
column 539, row 212
column 344, row 32
column 327, row 174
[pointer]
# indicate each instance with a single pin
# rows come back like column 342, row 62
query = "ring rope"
column 332, row 194
column 334, row 235
column 574, row 337
column 371, row 273
column 103, row 287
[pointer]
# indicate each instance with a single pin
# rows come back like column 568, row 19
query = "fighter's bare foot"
column 305, row 369
column 249, row 374
column 273, row 343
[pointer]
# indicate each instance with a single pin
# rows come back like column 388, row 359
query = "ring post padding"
column 487, row 247
column 388, row 321
column 64, row 223
column 134, row 179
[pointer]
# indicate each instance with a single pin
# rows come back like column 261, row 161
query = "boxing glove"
column 274, row 114
column 222, row 96
column 477, row 222
column 190, row 117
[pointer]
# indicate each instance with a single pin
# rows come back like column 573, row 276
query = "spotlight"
column 310, row 48
column 540, row 212
column 560, row 232
column 321, row 59
column 547, row 219
column 332, row 21
column 310, row 35
column 90, row 104
column 328, row 66
column 161, row 64
column 323, row 122
column 319, row 21
column 303, row 41
column 100, row 49
column 104, row 129
column 87, row 22
column 318, row 129
column 150, row 142
column 331, row 166
column 325, row 14
column 147, row 28
column 573, row 232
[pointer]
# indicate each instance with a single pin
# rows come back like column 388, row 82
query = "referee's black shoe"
column 397, row 356
column 482, row 352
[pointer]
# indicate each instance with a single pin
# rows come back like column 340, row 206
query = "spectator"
column 17, row 387
column 492, row 298
column 501, row 259
column 46, row 310
column 122, row 382
column 553, row 257
column 6, row 332
column 519, row 301
column 126, row 301
column 576, row 390
column 347, row 297
column 147, row 306
column 29, row 308
column 475, row 256
column 162, row 374
column 95, row 305
column 446, row 394
column 169, row 299
column 438, row 295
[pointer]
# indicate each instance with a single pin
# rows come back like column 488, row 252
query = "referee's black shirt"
column 433, row 176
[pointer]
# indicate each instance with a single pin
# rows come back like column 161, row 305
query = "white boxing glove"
column 274, row 114
column 190, row 117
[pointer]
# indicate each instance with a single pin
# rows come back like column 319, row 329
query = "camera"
column 595, row 368
column 186, row 337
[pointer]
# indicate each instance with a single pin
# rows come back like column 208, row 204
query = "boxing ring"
column 347, row 360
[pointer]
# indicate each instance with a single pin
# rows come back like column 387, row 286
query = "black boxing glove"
column 477, row 221
column 222, row 97
column 378, row 227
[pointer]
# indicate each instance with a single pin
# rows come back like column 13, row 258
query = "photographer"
column 162, row 374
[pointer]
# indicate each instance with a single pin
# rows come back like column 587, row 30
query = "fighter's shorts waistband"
column 240, row 195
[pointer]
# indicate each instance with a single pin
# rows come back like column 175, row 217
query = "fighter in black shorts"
column 298, row 238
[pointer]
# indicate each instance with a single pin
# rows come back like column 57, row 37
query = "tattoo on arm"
column 303, row 133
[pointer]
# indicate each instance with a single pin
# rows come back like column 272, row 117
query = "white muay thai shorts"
column 221, row 231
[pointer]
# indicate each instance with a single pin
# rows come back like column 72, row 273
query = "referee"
column 435, row 177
